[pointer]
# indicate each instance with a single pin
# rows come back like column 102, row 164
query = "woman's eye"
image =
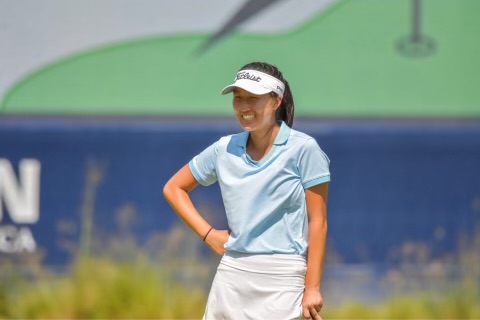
column 250, row 100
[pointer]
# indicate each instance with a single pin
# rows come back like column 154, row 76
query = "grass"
column 101, row 288
column 140, row 288
column 168, row 278
column 460, row 303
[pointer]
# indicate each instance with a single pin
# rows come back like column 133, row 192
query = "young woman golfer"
column 274, row 183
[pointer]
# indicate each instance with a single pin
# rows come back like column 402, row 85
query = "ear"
column 278, row 102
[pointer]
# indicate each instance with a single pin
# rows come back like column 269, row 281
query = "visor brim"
column 249, row 86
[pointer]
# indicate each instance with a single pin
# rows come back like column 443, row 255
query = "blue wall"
column 392, row 182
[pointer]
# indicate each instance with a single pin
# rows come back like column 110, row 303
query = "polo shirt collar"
column 282, row 135
column 242, row 139
column 281, row 138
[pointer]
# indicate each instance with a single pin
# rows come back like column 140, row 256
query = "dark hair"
column 287, row 108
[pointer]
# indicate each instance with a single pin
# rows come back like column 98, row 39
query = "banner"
column 342, row 58
column 394, row 185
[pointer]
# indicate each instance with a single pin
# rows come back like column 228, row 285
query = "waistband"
column 283, row 264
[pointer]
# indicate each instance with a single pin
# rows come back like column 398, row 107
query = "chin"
column 246, row 127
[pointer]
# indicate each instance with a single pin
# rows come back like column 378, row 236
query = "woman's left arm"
column 316, row 197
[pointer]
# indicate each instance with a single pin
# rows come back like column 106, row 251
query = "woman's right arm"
column 176, row 192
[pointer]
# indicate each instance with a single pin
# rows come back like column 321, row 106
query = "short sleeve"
column 313, row 164
column 203, row 166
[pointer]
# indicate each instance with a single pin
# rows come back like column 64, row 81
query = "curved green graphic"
column 342, row 63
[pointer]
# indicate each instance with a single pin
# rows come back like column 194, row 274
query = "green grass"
column 460, row 302
column 103, row 288
column 115, row 278
column 168, row 278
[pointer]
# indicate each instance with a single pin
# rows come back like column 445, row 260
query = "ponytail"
column 286, row 110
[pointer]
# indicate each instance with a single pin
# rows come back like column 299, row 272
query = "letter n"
column 21, row 197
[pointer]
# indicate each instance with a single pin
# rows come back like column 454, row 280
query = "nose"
column 242, row 105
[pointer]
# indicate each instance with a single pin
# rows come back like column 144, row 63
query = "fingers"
column 312, row 304
column 312, row 313
column 306, row 314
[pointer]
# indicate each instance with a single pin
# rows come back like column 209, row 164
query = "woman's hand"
column 312, row 304
column 216, row 240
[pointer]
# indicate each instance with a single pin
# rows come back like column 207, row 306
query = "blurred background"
column 102, row 101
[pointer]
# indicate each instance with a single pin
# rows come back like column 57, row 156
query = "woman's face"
column 255, row 112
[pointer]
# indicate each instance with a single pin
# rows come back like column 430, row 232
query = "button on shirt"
column 264, row 200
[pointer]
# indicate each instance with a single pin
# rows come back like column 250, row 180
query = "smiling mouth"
column 248, row 116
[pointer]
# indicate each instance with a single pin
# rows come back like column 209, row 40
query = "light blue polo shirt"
column 264, row 200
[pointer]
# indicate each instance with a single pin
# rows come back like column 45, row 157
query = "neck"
column 263, row 140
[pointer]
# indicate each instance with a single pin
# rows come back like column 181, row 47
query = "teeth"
column 248, row 116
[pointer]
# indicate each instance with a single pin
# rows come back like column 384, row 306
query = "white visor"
column 256, row 82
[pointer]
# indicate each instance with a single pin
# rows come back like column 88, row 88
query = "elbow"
column 319, row 224
column 324, row 223
column 167, row 190
column 171, row 190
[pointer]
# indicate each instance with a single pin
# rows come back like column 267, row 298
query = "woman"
column 274, row 183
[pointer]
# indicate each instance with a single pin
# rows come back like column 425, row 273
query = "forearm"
column 181, row 203
column 317, row 235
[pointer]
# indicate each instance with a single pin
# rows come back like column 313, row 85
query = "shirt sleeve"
column 203, row 166
column 313, row 165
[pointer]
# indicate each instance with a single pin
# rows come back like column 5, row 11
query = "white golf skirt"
column 253, row 286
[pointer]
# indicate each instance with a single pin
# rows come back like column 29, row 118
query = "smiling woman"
column 274, row 183
column 254, row 110
column 261, row 84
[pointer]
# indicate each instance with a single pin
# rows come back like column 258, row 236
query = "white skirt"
column 253, row 286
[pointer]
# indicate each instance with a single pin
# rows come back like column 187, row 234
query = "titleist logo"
column 246, row 75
